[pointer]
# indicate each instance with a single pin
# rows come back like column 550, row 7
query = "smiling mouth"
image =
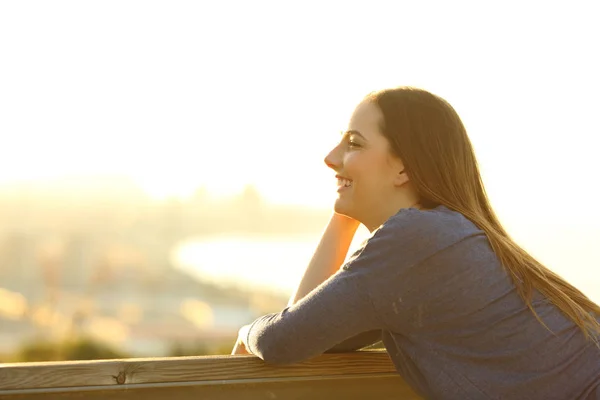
column 343, row 182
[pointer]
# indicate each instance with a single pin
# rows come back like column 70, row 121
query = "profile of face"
column 371, row 181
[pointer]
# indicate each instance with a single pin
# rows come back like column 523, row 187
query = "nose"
column 334, row 159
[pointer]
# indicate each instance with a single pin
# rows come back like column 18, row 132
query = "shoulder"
column 406, row 265
column 412, row 235
column 439, row 224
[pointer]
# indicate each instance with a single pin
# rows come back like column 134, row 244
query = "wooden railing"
column 359, row 375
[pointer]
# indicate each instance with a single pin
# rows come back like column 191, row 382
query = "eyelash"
column 352, row 143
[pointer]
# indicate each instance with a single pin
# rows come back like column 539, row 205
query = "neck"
column 385, row 213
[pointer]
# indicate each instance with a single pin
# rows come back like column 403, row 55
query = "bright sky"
column 178, row 94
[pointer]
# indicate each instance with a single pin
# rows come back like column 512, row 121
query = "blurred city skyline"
column 101, row 259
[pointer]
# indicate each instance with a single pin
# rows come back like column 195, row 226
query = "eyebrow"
column 353, row 132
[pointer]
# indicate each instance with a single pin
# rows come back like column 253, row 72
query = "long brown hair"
column 429, row 137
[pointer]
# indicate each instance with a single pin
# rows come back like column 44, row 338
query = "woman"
column 462, row 310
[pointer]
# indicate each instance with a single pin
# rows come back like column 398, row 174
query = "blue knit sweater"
column 428, row 284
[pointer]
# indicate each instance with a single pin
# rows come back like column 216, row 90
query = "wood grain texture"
column 347, row 388
column 131, row 372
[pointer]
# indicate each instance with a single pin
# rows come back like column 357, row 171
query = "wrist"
column 344, row 222
column 243, row 333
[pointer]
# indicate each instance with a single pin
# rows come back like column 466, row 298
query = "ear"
column 401, row 178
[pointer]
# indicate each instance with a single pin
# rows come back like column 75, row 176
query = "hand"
column 240, row 344
column 239, row 348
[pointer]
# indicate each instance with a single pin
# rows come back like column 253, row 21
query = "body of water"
column 278, row 263
column 270, row 263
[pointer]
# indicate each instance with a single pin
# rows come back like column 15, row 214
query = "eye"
column 353, row 143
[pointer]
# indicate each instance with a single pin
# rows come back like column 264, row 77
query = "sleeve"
column 337, row 312
column 380, row 287
column 418, row 269
column 357, row 342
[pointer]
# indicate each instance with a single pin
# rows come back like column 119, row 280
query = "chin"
column 341, row 208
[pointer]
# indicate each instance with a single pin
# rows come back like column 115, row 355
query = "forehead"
column 366, row 118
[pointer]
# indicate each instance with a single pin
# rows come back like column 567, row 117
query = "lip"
column 342, row 188
column 342, row 177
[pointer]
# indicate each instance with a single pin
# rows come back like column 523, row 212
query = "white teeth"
column 344, row 182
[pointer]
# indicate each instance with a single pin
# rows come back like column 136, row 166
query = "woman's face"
column 368, row 176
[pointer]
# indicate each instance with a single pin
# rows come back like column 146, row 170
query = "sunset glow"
column 171, row 96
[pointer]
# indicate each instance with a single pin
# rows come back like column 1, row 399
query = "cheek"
column 353, row 165
column 358, row 162
column 376, row 177
column 368, row 170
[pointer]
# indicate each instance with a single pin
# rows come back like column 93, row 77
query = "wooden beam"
column 390, row 387
column 216, row 377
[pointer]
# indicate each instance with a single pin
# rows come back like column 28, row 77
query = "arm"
column 329, row 256
column 357, row 342
column 360, row 297
column 334, row 313
column 353, row 343
column 326, row 261
column 379, row 287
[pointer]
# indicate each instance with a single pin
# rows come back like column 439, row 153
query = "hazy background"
column 161, row 162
